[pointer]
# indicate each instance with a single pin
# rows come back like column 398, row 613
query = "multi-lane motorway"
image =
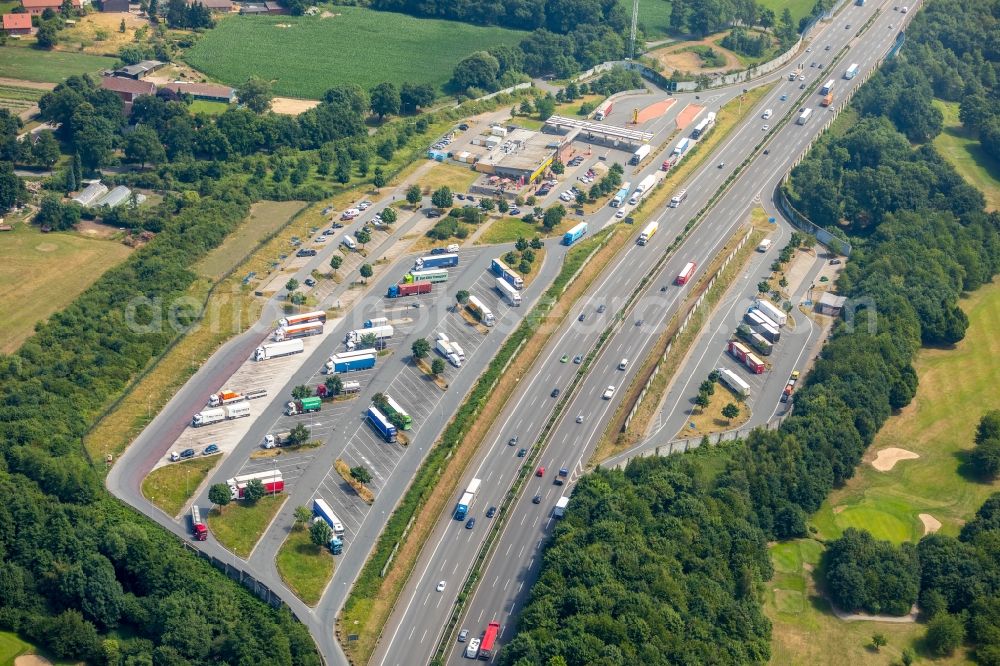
column 415, row 627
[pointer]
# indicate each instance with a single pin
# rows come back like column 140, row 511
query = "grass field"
column 22, row 62
column 296, row 53
column 11, row 647
column 43, row 273
column 509, row 229
column 305, row 567
column 454, row 177
column 239, row 526
column 798, row 8
column 654, row 16
column 955, row 389
column 170, row 486
column 207, row 107
column 265, row 218
column 967, row 156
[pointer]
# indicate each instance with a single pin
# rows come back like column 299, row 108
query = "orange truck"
column 828, row 100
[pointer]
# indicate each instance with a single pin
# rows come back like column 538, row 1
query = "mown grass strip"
column 239, row 525
column 305, row 567
column 170, row 486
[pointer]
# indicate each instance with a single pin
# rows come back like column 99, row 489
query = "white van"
column 453, row 248
column 472, row 651
column 623, row 364
column 349, row 243
column 767, row 114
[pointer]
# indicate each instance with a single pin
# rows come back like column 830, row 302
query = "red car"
column 540, row 471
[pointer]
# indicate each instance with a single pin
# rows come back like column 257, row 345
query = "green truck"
column 303, row 406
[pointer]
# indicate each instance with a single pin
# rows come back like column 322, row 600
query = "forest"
column 921, row 238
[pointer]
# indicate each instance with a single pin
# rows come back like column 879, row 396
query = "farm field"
column 18, row 99
column 305, row 56
column 43, row 273
column 967, row 156
column 21, row 62
column 938, row 426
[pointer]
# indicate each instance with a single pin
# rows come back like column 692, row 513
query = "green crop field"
column 305, row 56
column 22, row 62
column 42, row 273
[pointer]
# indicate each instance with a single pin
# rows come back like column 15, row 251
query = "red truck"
column 685, row 273
column 198, row 527
column 272, row 480
column 754, row 363
column 738, row 350
column 411, row 289
column 489, row 640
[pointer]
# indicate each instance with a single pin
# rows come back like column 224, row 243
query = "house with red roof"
column 36, row 7
column 17, row 24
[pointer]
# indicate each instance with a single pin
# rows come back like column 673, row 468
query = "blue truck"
column 381, row 424
column 348, row 362
column 502, row 270
column 575, row 234
column 436, row 261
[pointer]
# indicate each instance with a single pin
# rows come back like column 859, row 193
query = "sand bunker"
column 931, row 524
column 886, row 459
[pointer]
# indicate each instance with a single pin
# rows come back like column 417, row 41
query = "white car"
column 321, row 238
column 767, row 114
column 579, row 419
column 440, row 586
column 365, row 205
column 802, row 77
column 766, row 127
column 608, row 392
column 453, row 248
column 620, row 214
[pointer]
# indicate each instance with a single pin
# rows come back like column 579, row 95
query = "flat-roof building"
column 523, row 156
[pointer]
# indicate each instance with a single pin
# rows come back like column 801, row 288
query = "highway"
column 415, row 627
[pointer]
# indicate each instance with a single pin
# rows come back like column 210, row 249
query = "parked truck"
column 436, row 261
column 298, row 331
column 621, row 195
column 502, row 270
column 738, row 350
column 765, row 245
column 734, row 382
column 412, row 289
column 278, row 349
column 271, row 479
column 351, row 363
column 603, row 110
column 682, row 147
column 229, row 397
column 478, row 308
column 432, row 275
column 310, row 404
column 444, row 347
column 273, row 440
column 322, row 511
column 353, row 338
column 381, row 424
column 754, row 363
column 304, row 318
column 773, row 312
column 219, row 414
column 754, row 339
column 509, row 293
column 197, row 526
column 377, row 321
column 648, row 232
column 641, row 153
column 644, row 186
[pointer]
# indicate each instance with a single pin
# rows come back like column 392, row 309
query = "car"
column 581, row 317
column 578, row 359
column 537, row 499
column 802, row 87
column 638, row 322
column 579, row 418
column 620, row 214
column 767, row 151
column 440, row 586
column 463, row 127
column 766, row 127
column 721, row 164
column 514, row 211
column 555, row 393
column 321, row 238
column 812, row 64
column 453, row 248
column 821, row 66
column 365, row 205
column 460, row 196
column 210, row 449
column 557, row 481
column 795, row 374
column 809, row 50
column 439, row 250
column 847, row 27
column 490, row 512
column 433, row 213
column 608, row 392
column 306, row 253
column 309, row 282
column 564, row 359
column 470, row 197
column 470, row 523
column 187, row 453
column 540, row 471
column 522, row 452
column 784, row 98
column 463, row 635
column 623, row 364
column 802, row 77
column 601, row 308
column 338, row 225
column 890, row 26
column 835, row 262
column 512, row 441
column 827, row 48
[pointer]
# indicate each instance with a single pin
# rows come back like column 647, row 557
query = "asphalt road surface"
column 421, row 614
